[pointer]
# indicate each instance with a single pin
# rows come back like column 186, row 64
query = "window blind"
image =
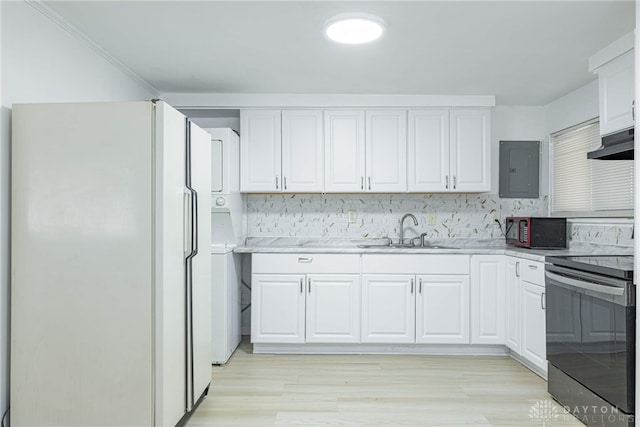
column 585, row 186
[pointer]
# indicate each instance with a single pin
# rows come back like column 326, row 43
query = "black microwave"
column 536, row 232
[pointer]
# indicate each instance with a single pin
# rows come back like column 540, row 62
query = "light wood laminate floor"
column 376, row 391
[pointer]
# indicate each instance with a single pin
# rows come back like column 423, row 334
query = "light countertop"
column 451, row 246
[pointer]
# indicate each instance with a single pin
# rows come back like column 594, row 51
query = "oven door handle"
column 585, row 285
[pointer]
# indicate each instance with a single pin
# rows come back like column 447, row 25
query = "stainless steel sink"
column 403, row 246
column 375, row 245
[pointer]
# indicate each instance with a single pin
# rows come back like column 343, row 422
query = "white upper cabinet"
column 344, row 151
column 616, row 91
column 428, row 161
column 449, row 151
column 365, row 151
column 302, row 151
column 470, row 150
column 357, row 151
column 386, row 151
column 260, row 151
column 281, row 151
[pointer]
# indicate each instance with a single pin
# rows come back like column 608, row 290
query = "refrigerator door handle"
column 194, row 223
column 187, row 203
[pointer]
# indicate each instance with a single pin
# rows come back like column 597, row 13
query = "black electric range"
column 591, row 323
column 619, row 266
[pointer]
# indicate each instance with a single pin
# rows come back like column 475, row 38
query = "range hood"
column 617, row 146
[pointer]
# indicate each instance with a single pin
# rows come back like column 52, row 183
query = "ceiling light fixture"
column 354, row 28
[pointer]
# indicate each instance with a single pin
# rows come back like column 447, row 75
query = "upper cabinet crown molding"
column 618, row 48
column 274, row 101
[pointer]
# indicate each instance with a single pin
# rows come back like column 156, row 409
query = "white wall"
column 514, row 123
column 42, row 62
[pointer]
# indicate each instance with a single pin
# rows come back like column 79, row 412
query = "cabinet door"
column 277, row 308
column 487, row 299
column 442, row 309
column 386, row 151
column 344, row 151
column 534, row 346
column 428, row 145
column 470, row 150
column 302, row 151
column 616, row 87
column 512, row 283
column 260, row 151
column 388, row 308
column 333, row 308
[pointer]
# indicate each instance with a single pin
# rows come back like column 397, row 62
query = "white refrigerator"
column 110, row 268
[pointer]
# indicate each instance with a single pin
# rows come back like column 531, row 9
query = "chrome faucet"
column 415, row 222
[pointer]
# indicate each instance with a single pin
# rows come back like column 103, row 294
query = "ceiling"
column 523, row 52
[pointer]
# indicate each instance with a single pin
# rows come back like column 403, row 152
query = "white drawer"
column 532, row 272
column 305, row 263
column 415, row 264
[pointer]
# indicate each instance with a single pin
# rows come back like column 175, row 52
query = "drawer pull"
column 305, row 259
column 533, row 267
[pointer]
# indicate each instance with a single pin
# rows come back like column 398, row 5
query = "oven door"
column 591, row 332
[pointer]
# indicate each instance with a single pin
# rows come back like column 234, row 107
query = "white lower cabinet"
column 442, row 309
column 513, row 303
column 429, row 306
column 388, row 308
column 487, row 299
column 526, row 325
column 333, row 308
column 400, row 299
column 534, row 346
column 305, row 305
column 277, row 308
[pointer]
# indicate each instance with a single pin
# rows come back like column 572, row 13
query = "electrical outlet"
column 432, row 218
column 495, row 214
column 352, row 217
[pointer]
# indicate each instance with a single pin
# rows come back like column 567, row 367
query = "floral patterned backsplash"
column 467, row 216
column 377, row 215
column 605, row 234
